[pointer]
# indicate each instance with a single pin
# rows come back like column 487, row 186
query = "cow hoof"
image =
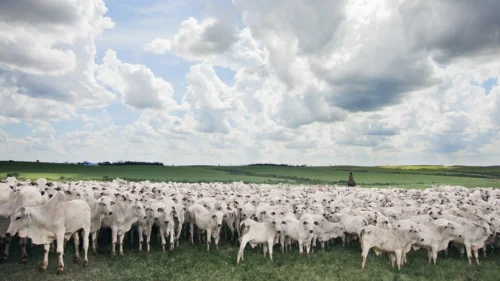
column 75, row 260
column 23, row 260
column 85, row 263
column 60, row 271
column 94, row 253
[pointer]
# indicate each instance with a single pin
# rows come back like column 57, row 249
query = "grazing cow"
column 258, row 233
column 395, row 242
column 209, row 221
column 56, row 220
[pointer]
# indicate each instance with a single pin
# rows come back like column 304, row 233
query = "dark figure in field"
column 351, row 181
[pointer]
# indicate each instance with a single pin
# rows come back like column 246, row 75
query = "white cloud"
column 138, row 86
column 212, row 41
column 3, row 136
column 158, row 46
column 47, row 50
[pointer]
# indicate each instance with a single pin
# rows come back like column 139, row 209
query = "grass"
column 191, row 262
column 382, row 176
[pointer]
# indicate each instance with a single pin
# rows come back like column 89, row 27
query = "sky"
column 321, row 82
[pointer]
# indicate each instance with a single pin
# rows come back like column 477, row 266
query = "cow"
column 56, row 220
column 258, row 233
column 396, row 242
column 125, row 214
column 209, row 221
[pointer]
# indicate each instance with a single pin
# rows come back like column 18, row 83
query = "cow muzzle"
column 219, row 225
column 110, row 213
column 279, row 232
column 310, row 231
column 8, row 234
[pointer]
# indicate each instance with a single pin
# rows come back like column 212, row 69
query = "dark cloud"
column 452, row 28
column 38, row 11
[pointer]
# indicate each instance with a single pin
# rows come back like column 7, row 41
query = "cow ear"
column 160, row 210
column 67, row 192
column 58, row 188
column 42, row 192
column 214, row 216
column 112, row 203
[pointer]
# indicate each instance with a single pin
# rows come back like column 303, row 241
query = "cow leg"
column 140, row 232
column 301, row 247
column 323, row 245
column 94, row 242
column 45, row 261
column 163, row 241
column 392, row 258
column 243, row 243
column 343, row 240
column 282, row 242
column 264, row 250
column 461, row 249
column 60, row 253
column 434, row 255
column 209, row 239
column 270, row 244
column 399, row 259
column 148, row 242
column 8, row 240
column 469, row 254
column 121, row 237
column 484, row 251
column 76, row 241
column 429, row 255
column 85, row 237
column 24, row 254
column 364, row 254
column 191, row 231
column 171, row 230
column 476, row 255
column 114, row 239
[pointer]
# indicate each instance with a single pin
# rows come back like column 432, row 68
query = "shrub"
column 17, row 175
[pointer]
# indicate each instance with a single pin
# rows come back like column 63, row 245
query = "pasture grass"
column 381, row 176
column 192, row 262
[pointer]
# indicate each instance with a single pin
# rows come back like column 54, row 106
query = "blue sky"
column 238, row 82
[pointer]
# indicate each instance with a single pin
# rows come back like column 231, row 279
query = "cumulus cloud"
column 209, row 98
column 158, row 45
column 213, row 41
column 137, row 84
column 47, row 50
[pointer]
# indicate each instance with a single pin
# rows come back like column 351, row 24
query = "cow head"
column 19, row 222
column 218, row 216
column 105, row 205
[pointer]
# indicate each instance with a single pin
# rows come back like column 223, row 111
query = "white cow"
column 258, row 233
column 209, row 221
column 56, row 220
column 125, row 214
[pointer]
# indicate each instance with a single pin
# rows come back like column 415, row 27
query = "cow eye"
column 274, row 222
column 18, row 218
column 283, row 222
column 305, row 222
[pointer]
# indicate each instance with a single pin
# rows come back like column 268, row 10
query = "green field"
column 383, row 176
column 191, row 262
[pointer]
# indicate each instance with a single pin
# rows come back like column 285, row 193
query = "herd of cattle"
column 392, row 221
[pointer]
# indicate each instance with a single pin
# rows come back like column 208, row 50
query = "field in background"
column 382, row 176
